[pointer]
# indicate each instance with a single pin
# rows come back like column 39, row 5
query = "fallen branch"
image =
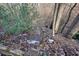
column 5, row 51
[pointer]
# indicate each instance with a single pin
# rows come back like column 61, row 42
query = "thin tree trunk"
column 60, row 13
column 70, row 10
column 66, row 32
column 55, row 17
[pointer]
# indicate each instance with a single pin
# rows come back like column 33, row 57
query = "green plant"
column 76, row 36
column 16, row 18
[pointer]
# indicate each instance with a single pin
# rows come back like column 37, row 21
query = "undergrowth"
column 76, row 36
column 17, row 18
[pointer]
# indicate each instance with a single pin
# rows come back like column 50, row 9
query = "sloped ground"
column 39, row 44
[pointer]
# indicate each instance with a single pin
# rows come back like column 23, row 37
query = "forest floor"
column 39, row 42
